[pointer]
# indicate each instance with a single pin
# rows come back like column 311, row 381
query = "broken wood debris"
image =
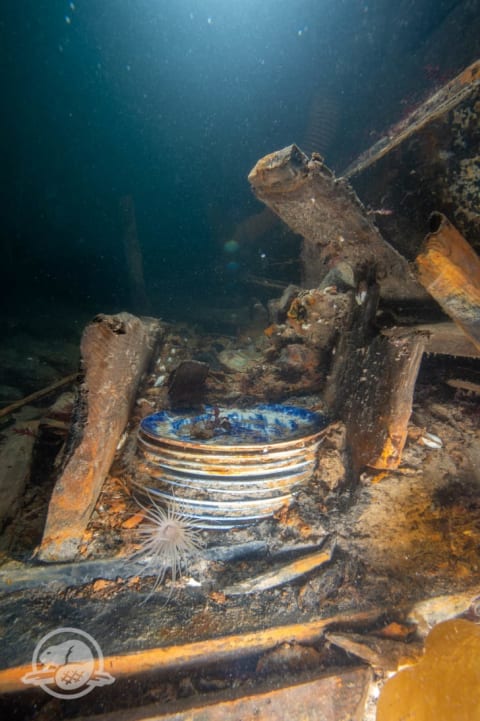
column 115, row 353
column 337, row 696
column 16, row 452
column 464, row 385
column 334, row 224
column 449, row 269
column 214, row 650
column 342, row 629
column 428, row 613
column 38, row 394
column 17, row 576
column 371, row 388
column 443, row 338
column 382, row 654
column 284, row 574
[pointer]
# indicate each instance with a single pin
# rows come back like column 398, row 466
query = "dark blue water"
column 172, row 102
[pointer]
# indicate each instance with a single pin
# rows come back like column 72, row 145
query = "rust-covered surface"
column 429, row 161
column 337, row 231
column 115, row 351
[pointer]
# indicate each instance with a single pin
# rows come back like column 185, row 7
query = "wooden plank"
column 336, row 697
column 382, row 654
column 380, row 406
column 16, row 453
column 115, row 351
column 337, row 230
column 283, row 574
column 449, row 269
column 371, row 389
column 443, row 338
column 38, row 394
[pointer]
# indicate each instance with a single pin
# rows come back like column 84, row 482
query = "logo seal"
column 71, row 661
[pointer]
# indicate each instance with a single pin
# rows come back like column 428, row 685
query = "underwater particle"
column 170, row 538
column 68, row 19
column 231, row 246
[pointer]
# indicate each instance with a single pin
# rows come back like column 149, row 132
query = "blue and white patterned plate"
column 235, row 426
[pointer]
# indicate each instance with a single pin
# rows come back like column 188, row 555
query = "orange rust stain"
column 134, row 520
column 101, row 584
column 218, row 597
column 117, row 505
column 397, row 631
column 288, row 516
column 390, row 455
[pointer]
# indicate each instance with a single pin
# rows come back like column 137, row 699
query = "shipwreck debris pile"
column 341, row 578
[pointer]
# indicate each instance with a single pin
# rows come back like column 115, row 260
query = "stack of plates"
column 228, row 467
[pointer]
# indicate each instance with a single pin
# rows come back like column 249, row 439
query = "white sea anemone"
column 169, row 538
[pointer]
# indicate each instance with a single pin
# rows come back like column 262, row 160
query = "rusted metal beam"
column 115, row 352
column 449, row 269
column 336, row 228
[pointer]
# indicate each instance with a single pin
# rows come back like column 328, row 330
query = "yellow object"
column 444, row 685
